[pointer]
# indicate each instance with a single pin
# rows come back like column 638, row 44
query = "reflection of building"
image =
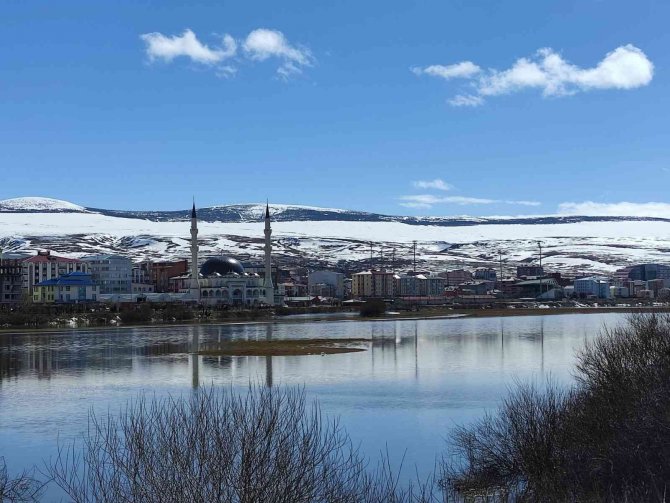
column 112, row 272
column 223, row 280
column 45, row 266
column 74, row 287
column 11, row 278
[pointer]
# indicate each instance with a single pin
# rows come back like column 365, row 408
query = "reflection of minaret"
column 195, row 358
column 542, row 336
column 194, row 287
column 268, row 359
column 416, row 349
column 269, row 288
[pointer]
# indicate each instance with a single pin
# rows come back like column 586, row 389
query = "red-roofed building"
column 44, row 266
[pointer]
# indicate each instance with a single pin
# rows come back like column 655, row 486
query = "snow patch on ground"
column 571, row 247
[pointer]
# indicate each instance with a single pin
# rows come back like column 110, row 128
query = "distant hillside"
column 338, row 239
column 293, row 213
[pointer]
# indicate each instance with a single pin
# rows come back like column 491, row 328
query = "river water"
column 416, row 380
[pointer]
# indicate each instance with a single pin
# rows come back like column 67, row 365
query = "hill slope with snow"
column 317, row 237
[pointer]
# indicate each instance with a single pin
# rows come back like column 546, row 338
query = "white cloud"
column 464, row 69
column 262, row 44
column 259, row 45
column 429, row 200
column 627, row 209
column 226, row 72
column 437, row 184
column 159, row 46
column 626, row 67
column 466, row 100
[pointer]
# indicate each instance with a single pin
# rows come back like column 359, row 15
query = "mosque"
column 222, row 280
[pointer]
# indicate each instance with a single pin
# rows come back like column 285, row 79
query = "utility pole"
column 371, row 262
column 393, row 260
column 414, row 244
column 500, row 254
column 381, row 255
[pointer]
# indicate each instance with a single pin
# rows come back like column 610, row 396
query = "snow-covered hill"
column 317, row 237
column 38, row 204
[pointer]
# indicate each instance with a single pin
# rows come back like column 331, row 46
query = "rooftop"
column 45, row 256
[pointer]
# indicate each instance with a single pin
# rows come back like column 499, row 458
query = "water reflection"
column 417, row 378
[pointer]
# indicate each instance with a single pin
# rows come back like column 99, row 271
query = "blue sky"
column 339, row 104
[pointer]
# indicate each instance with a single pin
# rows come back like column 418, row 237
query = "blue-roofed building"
column 69, row 288
column 113, row 273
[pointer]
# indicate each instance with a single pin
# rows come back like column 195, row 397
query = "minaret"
column 269, row 288
column 195, row 284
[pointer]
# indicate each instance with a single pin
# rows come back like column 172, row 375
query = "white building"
column 592, row 287
column 222, row 280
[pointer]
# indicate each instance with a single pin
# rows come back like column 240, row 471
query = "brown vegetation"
column 287, row 347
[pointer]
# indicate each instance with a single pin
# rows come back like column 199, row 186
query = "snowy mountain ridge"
column 254, row 212
column 338, row 239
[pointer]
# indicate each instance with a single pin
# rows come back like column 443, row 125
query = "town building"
column 291, row 289
column 456, row 277
column 278, row 274
column 113, row 273
column 540, row 288
column 72, row 287
column 374, row 283
column 486, row 274
column 316, row 280
column 420, row 286
column 11, row 278
column 223, row 280
column 45, row 266
column 161, row 272
column 592, row 287
column 647, row 272
column 529, row 271
column 619, row 291
column 141, row 278
column 474, row 288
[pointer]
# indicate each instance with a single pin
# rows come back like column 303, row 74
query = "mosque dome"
column 222, row 266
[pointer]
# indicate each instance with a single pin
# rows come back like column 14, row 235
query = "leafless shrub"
column 22, row 488
column 265, row 445
column 607, row 438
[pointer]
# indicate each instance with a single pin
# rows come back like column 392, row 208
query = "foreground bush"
column 21, row 488
column 605, row 439
column 266, row 445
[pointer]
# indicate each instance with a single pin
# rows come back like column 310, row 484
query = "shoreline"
column 427, row 314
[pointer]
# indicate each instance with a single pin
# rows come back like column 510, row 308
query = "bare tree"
column 605, row 439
